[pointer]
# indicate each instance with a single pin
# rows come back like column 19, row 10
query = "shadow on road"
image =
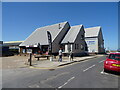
column 113, row 72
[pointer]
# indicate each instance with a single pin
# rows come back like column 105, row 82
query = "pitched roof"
column 40, row 34
column 92, row 32
column 72, row 34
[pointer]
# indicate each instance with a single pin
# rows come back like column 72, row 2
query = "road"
column 85, row 74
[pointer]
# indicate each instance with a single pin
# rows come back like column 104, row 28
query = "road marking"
column 101, row 61
column 77, row 62
column 66, row 82
column 102, row 72
column 88, row 68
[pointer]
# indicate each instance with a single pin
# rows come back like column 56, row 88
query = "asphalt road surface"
column 85, row 74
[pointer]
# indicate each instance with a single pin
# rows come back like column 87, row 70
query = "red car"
column 112, row 62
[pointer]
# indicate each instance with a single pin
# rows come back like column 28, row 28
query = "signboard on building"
column 90, row 42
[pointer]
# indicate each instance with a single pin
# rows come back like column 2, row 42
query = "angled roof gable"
column 40, row 34
column 92, row 32
column 72, row 34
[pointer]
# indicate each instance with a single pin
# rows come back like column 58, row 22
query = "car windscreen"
column 114, row 57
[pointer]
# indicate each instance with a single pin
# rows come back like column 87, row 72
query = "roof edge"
column 13, row 41
column 52, row 24
column 77, row 25
column 94, row 27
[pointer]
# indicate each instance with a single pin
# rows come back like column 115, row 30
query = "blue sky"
column 20, row 19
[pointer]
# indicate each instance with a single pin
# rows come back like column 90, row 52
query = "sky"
column 20, row 19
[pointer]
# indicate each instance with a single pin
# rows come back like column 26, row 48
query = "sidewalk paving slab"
column 54, row 64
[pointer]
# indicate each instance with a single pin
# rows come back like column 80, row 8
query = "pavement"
column 85, row 74
column 47, row 64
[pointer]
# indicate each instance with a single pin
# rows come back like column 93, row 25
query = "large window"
column 76, row 46
column 29, row 50
column 82, row 47
column 114, row 57
column 23, row 51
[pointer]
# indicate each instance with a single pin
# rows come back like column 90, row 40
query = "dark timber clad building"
column 69, row 38
column 58, row 31
column 11, row 47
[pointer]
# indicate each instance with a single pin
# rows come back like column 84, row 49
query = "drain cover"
column 51, row 69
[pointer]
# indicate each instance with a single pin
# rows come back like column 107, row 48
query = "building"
column 11, row 48
column 94, row 40
column 74, row 40
column 39, row 36
column 1, row 43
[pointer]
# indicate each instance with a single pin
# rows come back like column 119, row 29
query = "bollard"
column 51, row 58
column 30, row 60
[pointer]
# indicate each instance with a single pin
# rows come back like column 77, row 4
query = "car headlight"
column 106, row 62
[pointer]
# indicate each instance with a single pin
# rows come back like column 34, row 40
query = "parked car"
column 112, row 62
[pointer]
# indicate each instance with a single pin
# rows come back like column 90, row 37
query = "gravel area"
column 13, row 61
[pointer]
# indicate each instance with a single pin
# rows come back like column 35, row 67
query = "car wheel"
column 105, row 70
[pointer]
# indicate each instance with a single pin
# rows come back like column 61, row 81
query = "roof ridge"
column 77, row 25
column 52, row 25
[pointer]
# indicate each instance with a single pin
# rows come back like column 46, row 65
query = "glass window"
column 75, row 46
column 82, row 47
column 114, row 57
column 23, row 51
column 29, row 50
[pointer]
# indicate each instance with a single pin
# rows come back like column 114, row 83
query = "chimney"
column 59, row 26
